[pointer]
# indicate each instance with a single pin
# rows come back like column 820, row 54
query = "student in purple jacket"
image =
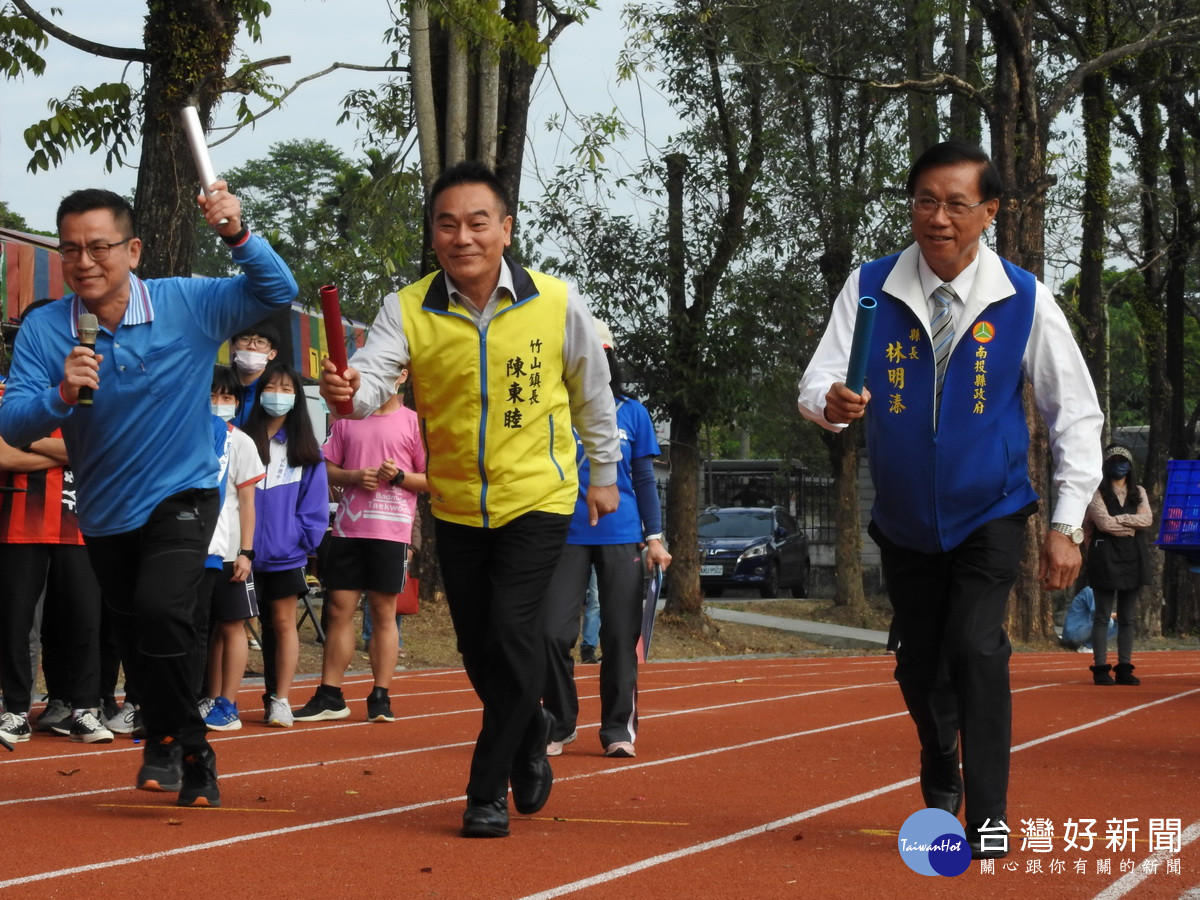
column 291, row 515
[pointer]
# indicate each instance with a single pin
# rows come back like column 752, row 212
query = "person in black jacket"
column 1117, row 561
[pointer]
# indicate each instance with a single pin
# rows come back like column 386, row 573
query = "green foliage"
column 820, row 204
column 354, row 224
column 96, row 118
column 10, row 219
column 20, row 43
column 109, row 116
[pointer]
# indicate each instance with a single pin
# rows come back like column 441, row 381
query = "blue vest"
column 936, row 483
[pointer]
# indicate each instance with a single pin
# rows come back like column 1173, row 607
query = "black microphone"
column 89, row 328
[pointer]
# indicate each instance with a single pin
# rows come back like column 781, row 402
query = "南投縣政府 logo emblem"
column 983, row 332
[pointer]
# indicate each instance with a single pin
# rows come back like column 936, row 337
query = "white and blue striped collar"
column 138, row 311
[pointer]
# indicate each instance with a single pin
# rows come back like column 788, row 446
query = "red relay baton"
column 335, row 338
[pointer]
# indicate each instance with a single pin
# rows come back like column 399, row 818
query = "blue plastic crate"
column 1180, row 529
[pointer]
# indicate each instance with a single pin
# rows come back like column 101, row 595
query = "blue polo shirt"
column 148, row 434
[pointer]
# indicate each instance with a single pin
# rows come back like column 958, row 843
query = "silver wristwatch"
column 1074, row 532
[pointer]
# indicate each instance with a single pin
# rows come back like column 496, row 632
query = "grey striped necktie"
column 942, row 326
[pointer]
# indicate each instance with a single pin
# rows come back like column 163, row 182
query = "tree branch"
column 939, row 84
column 1154, row 39
column 129, row 54
column 278, row 101
column 241, row 83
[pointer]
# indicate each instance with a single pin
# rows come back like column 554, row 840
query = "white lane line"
column 1140, row 873
column 305, row 728
column 681, row 853
column 554, row 892
column 335, row 761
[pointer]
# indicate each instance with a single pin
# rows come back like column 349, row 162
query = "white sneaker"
column 205, row 705
column 281, row 714
column 86, row 729
column 555, row 748
column 122, row 721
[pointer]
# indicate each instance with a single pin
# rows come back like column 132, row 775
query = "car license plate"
column 712, row 570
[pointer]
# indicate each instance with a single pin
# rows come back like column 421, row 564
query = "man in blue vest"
column 958, row 331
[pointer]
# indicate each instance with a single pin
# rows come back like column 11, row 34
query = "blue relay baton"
column 864, row 324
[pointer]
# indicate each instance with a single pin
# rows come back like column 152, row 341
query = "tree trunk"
column 1019, row 140
column 421, row 75
column 1182, row 249
column 922, row 108
column 683, row 577
column 458, row 96
column 486, row 134
column 516, row 85
column 191, row 41
column 848, row 572
column 965, row 45
column 1092, row 320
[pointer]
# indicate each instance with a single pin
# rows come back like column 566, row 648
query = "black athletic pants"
column 496, row 580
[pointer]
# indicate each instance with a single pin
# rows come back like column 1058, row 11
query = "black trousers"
column 496, row 580
column 619, row 583
column 150, row 579
column 952, row 657
column 70, row 622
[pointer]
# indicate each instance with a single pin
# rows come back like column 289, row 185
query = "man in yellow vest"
column 504, row 361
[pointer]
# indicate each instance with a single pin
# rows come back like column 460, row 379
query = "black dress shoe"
column 485, row 818
column 941, row 781
column 988, row 840
column 531, row 775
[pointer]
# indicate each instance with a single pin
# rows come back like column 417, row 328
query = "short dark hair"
column 469, row 171
column 949, row 153
column 225, row 381
column 97, row 198
column 265, row 328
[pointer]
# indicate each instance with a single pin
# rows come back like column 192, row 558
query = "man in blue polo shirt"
column 958, row 331
column 142, row 451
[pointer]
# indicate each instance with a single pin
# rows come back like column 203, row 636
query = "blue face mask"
column 277, row 404
column 1117, row 468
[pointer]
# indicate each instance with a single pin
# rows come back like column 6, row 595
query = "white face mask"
column 250, row 361
column 224, row 411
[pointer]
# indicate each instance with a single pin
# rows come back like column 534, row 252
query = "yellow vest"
column 494, row 411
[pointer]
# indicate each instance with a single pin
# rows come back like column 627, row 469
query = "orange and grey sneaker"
column 162, row 769
column 199, row 779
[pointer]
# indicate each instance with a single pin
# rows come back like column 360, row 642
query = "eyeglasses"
column 252, row 342
column 98, row 251
column 955, row 209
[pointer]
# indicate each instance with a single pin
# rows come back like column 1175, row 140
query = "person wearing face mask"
column 1117, row 561
column 292, row 514
column 227, row 598
column 252, row 350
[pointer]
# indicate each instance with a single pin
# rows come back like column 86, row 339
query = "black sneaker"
column 87, row 729
column 199, row 779
column 587, row 654
column 379, row 706
column 322, row 707
column 161, row 767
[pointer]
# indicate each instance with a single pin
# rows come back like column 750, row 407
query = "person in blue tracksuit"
column 142, row 451
column 613, row 546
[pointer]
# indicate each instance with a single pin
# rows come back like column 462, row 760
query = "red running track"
column 754, row 778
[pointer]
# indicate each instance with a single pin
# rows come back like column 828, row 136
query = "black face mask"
column 1117, row 468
